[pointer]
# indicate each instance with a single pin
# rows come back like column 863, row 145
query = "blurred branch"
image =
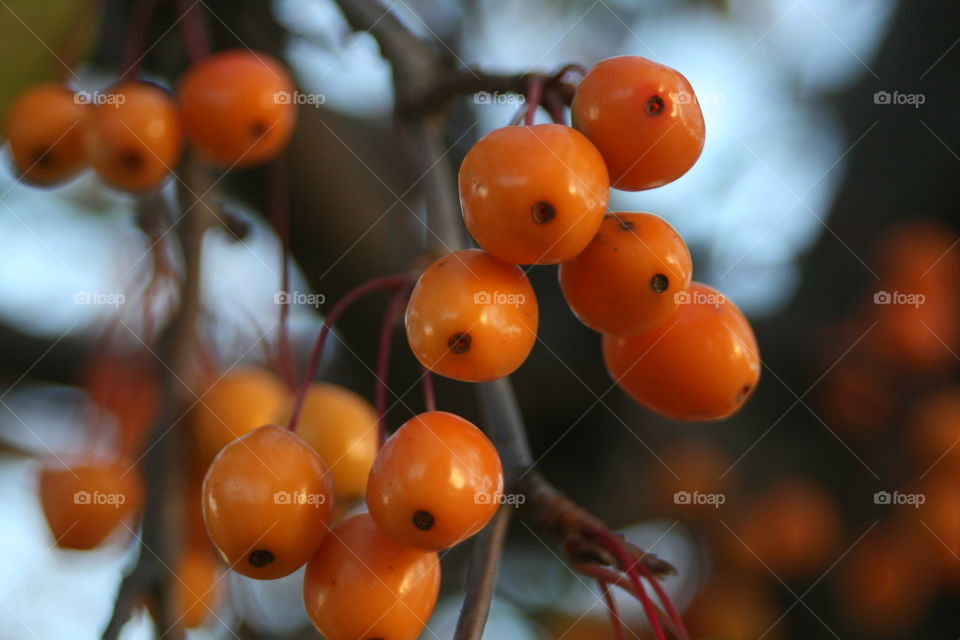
column 482, row 576
column 163, row 516
column 423, row 84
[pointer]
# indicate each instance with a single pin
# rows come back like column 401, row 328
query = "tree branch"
column 164, row 466
column 482, row 575
column 423, row 85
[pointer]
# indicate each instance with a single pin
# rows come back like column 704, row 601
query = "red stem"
column 429, row 397
column 386, row 282
column 138, row 31
column 619, row 580
column 79, row 36
column 627, row 563
column 193, row 30
column 517, row 117
column 662, row 595
column 383, row 358
column 554, row 107
column 279, row 214
column 618, row 631
column 534, row 96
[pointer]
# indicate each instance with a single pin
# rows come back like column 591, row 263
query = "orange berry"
column 534, row 194
column 361, row 584
column 886, row 582
column 917, row 327
column 933, row 429
column 342, row 426
column 84, row 503
column 45, row 129
column 792, row 528
column 240, row 401
column 733, row 607
column 267, row 500
column 472, row 317
column 940, row 515
column 701, row 364
column 126, row 385
column 134, row 137
column 436, row 482
column 643, row 117
column 625, row 282
column 196, row 586
column 234, row 107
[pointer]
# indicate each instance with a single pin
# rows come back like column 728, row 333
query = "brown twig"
column 177, row 348
column 482, row 575
column 575, row 528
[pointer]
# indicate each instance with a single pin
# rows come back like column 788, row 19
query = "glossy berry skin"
column 85, row 503
column 643, row 117
column 342, row 426
column 533, row 194
column 45, row 129
column 267, row 500
column 237, row 109
column 361, row 584
column 437, row 481
column 701, row 364
column 626, row 279
column 134, row 137
column 238, row 402
column 472, row 317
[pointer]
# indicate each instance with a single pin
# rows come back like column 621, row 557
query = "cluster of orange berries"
column 229, row 106
column 268, row 499
column 274, row 499
column 538, row 195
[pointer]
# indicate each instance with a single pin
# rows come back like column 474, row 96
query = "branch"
column 575, row 528
column 164, row 475
column 482, row 576
column 423, row 85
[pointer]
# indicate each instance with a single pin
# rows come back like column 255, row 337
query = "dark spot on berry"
column 261, row 557
column 543, row 212
column 459, row 342
column 423, row 520
column 655, row 105
column 659, row 283
column 44, row 158
column 744, row 392
column 131, row 160
column 258, row 129
column 624, row 225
